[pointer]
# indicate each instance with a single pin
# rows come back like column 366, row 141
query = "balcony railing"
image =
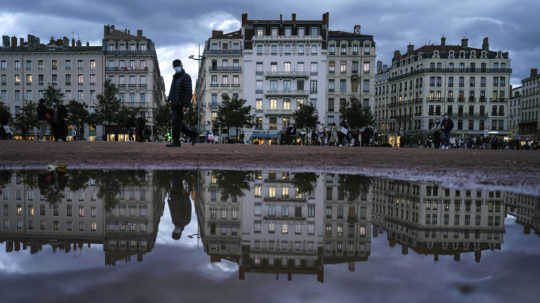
column 125, row 69
column 452, row 70
column 286, row 93
column 278, row 112
column 226, row 69
column 498, row 100
column 290, row 74
column 469, row 116
column 130, row 53
column 210, row 52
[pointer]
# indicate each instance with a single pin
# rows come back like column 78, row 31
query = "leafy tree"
column 232, row 113
column 355, row 115
column 127, row 116
column 233, row 183
column 53, row 97
column 306, row 117
column 305, row 182
column 26, row 119
column 354, row 185
column 108, row 106
column 77, row 116
column 162, row 123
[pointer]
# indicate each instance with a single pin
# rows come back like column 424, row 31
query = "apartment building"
column 132, row 65
column 470, row 84
column 435, row 220
column 381, row 106
column 281, row 64
column 514, row 116
column 28, row 67
column 529, row 107
column 351, row 71
column 79, row 218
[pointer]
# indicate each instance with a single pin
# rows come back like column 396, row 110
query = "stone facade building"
column 529, row 107
column 470, row 84
column 281, row 64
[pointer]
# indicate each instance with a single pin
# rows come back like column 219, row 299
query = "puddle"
column 122, row 235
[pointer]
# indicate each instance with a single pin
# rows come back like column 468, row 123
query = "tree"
column 127, row 116
column 305, row 117
column 304, row 182
column 108, row 106
column 162, row 122
column 26, row 119
column 232, row 113
column 233, row 183
column 355, row 115
column 53, row 97
column 354, row 185
column 77, row 116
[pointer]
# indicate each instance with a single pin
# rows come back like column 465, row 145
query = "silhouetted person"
column 59, row 123
column 179, row 206
column 44, row 117
column 179, row 98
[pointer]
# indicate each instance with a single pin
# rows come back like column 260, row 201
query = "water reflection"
column 269, row 222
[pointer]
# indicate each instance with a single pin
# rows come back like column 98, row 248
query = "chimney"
column 139, row 33
column 326, row 18
column 534, row 73
column 217, row 34
column 79, row 44
column 357, row 29
column 66, row 41
column 5, row 41
column 106, row 30
column 87, row 44
column 464, row 42
column 379, row 67
column 443, row 41
column 13, row 42
column 294, row 17
column 410, row 48
column 72, row 42
column 485, row 44
column 397, row 54
column 280, row 18
column 112, row 27
column 21, row 42
column 244, row 19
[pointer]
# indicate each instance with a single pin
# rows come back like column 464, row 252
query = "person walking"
column 446, row 127
column 44, row 117
column 60, row 126
column 179, row 205
column 179, row 98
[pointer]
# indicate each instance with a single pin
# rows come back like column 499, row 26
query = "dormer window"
column 274, row 32
column 301, row 32
column 288, row 31
column 436, row 54
column 142, row 47
column 314, row 31
column 473, row 54
column 343, row 49
column 484, row 54
column 451, row 54
column 214, row 46
column 462, row 54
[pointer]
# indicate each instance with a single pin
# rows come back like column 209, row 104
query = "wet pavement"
column 269, row 236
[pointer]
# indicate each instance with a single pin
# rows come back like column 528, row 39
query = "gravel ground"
column 506, row 168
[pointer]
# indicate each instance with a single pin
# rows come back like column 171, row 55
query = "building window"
column 313, row 86
column 273, row 104
column 273, row 123
column 331, row 66
column 366, row 67
column 343, row 67
column 258, row 104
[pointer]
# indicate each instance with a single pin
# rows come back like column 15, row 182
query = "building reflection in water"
column 271, row 222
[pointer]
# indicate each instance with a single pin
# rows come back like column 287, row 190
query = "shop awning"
column 264, row 135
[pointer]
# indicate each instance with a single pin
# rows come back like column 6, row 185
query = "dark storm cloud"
column 511, row 25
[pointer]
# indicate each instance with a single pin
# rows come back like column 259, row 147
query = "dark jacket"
column 180, row 92
column 447, row 124
column 41, row 111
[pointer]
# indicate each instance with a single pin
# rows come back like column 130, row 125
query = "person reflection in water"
column 179, row 206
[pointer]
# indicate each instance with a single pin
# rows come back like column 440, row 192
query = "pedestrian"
column 59, row 124
column 179, row 204
column 446, row 127
column 179, row 98
column 44, row 117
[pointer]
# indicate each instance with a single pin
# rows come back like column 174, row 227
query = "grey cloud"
column 511, row 25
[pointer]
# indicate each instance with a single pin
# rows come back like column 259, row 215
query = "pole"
column 198, row 101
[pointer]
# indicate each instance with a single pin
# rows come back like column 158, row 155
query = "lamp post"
column 199, row 58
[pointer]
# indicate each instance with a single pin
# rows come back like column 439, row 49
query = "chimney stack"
column 87, row 44
column 397, row 54
column 66, row 41
column 13, row 42
column 379, row 67
column 72, row 42
column 5, row 41
column 357, row 29
column 443, row 41
column 464, row 42
column 534, row 73
column 326, row 18
column 410, row 48
column 217, row 34
column 139, row 33
column 280, row 18
column 79, row 44
column 485, row 44
column 294, row 17
column 106, row 30
column 244, row 19
column 21, row 42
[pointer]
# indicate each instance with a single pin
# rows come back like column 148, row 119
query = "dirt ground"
column 488, row 166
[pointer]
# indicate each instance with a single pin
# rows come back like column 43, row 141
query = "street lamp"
column 199, row 58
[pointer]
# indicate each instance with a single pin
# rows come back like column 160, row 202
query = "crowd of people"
column 329, row 136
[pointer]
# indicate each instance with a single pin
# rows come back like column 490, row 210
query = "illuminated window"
column 284, row 229
column 258, row 191
column 273, row 104
column 272, row 192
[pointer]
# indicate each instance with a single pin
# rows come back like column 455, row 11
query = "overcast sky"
column 178, row 26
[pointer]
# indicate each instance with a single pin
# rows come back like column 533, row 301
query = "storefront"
column 264, row 138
